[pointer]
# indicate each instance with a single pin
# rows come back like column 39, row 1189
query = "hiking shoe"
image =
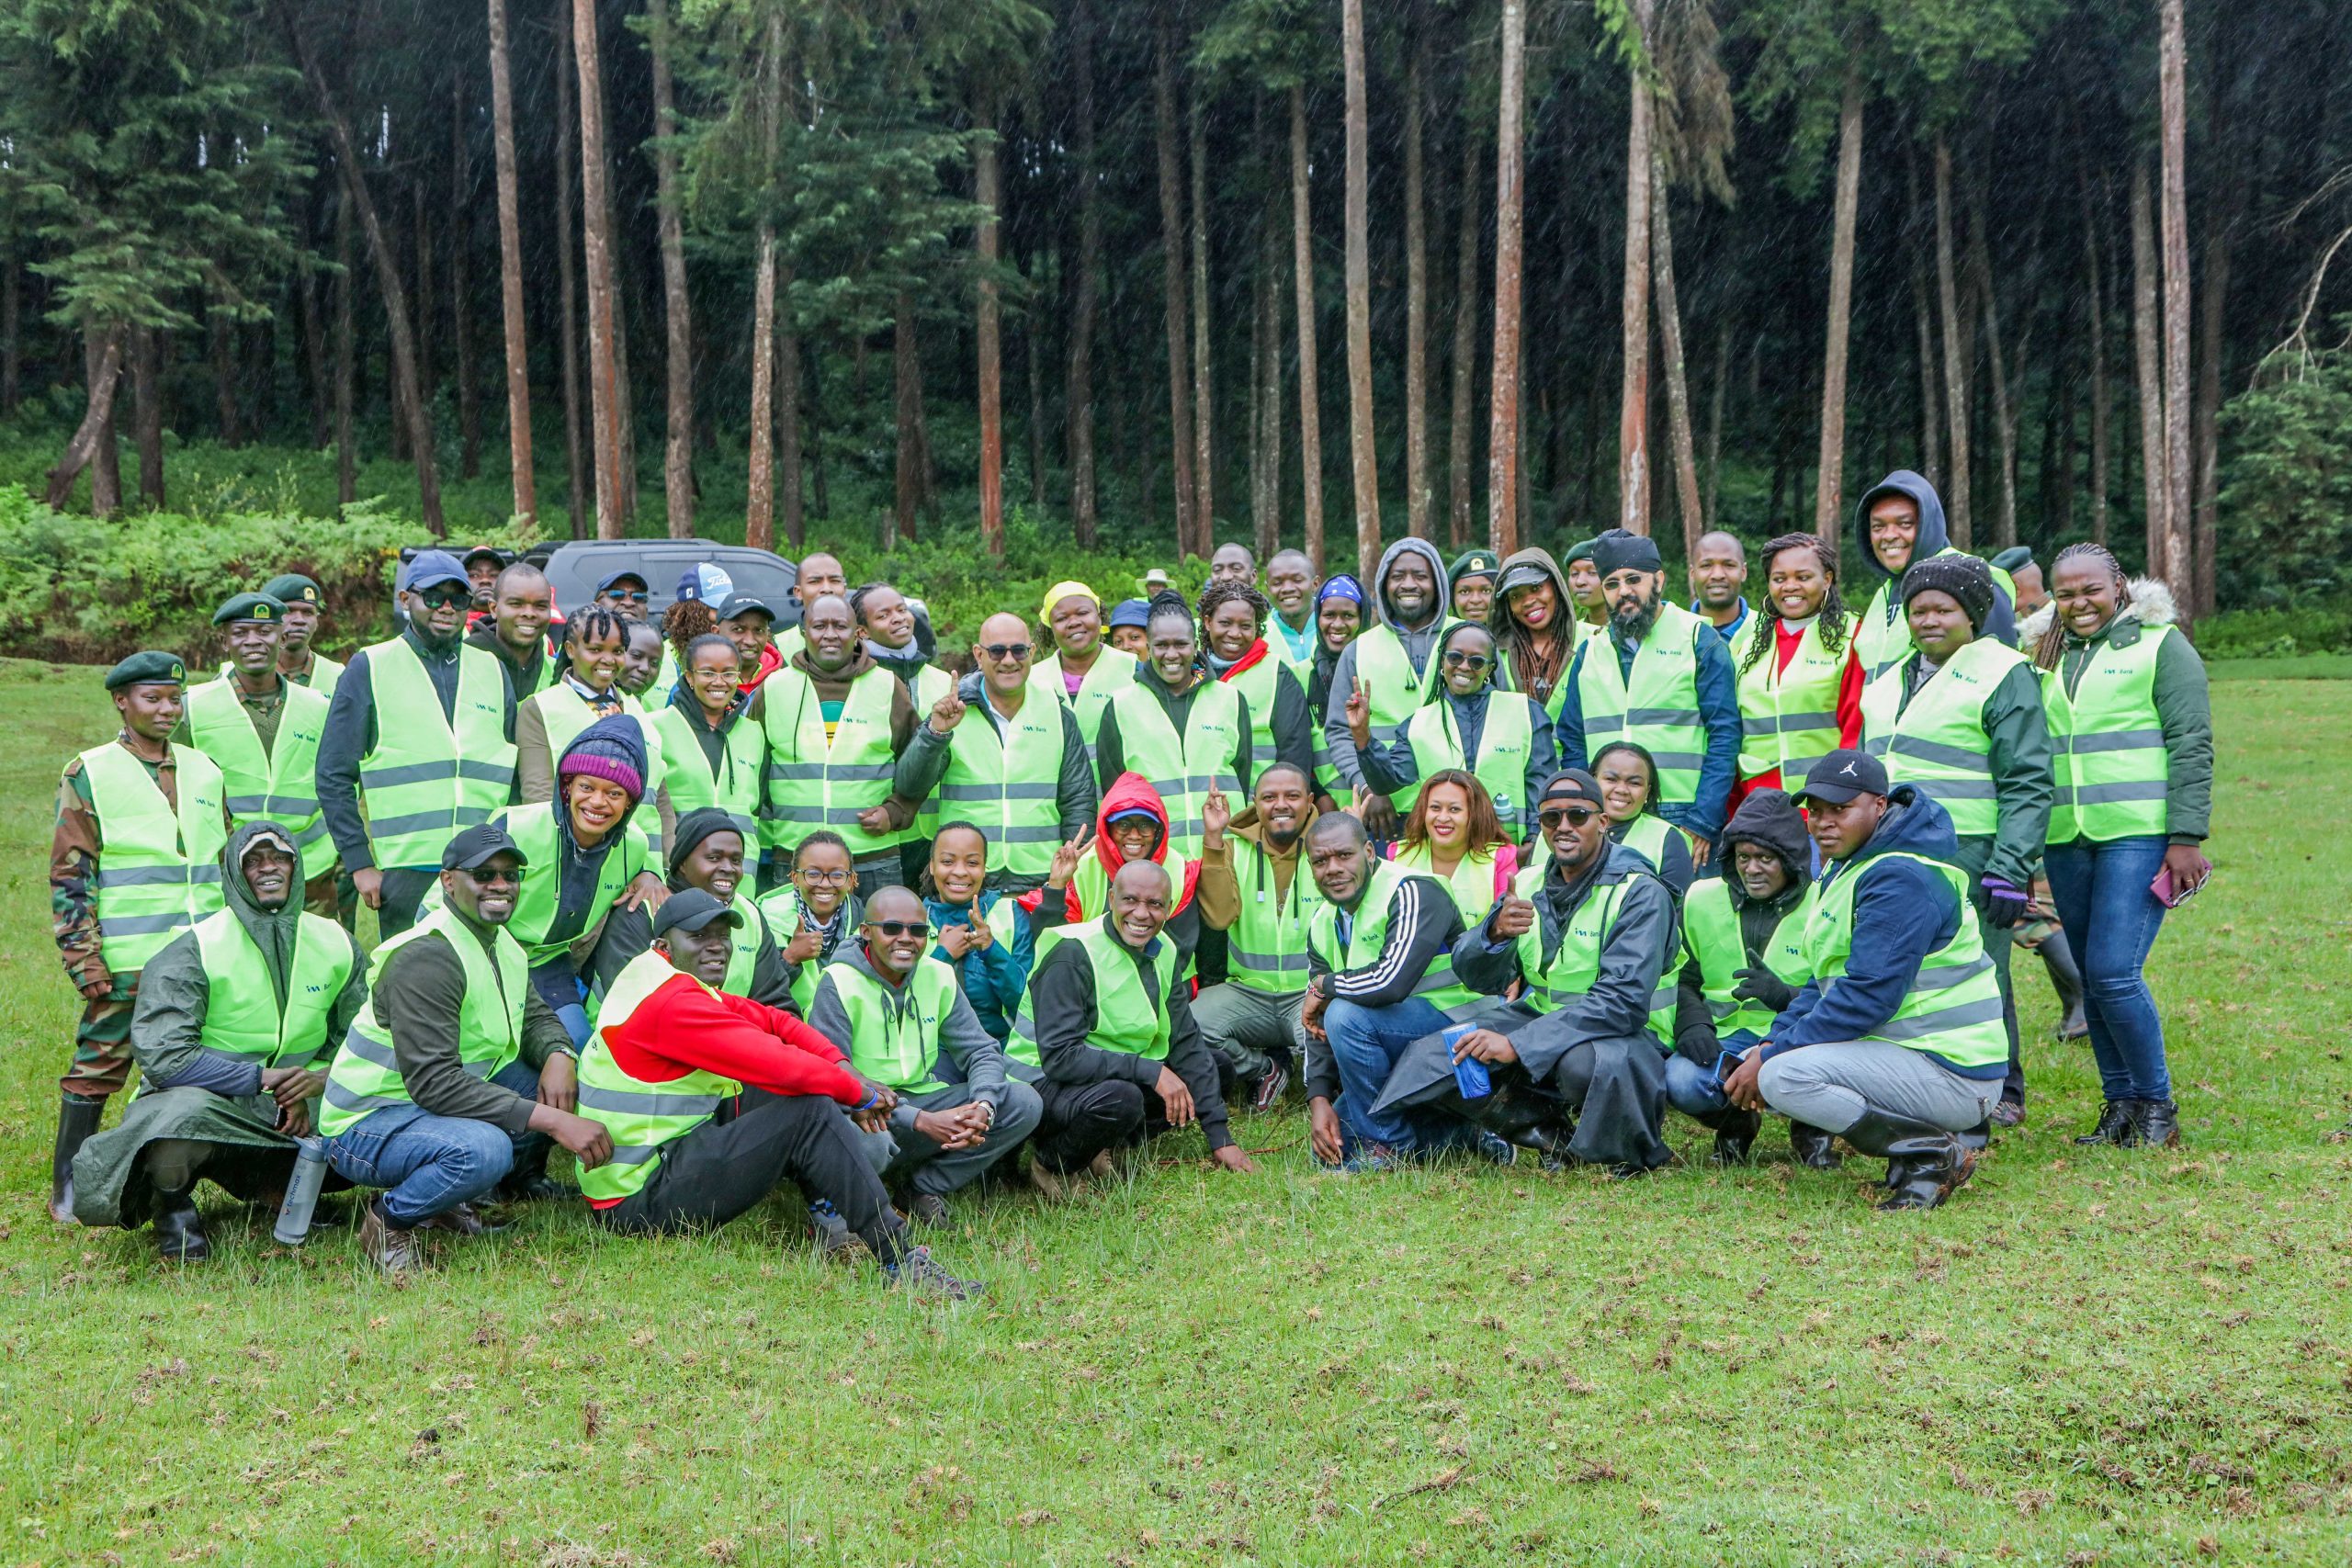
column 1268, row 1094
column 2158, row 1123
column 836, row 1243
column 1104, row 1166
column 919, row 1274
column 2008, row 1113
column 929, row 1208
column 2114, row 1126
column 396, row 1251
column 462, row 1220
column 1052, row 1185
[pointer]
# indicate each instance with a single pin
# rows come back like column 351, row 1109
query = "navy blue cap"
column 1840, row 776
column 431, row 567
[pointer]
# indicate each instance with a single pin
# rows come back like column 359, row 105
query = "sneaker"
column 928, row 1209
column 836, row 1243
column 1269, row 1091
column 1371, row 1159
column 2008, row 1113
column 1051, row 1184
column 918, row 1273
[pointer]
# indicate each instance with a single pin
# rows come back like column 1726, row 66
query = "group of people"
column 1497, row 856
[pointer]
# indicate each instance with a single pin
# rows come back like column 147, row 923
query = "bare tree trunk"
column 461, row 235
column 1634, row 400
column 1310, row 425
column 1417, row 497
column 1511, row 174
column 1033, row 345
column 510, row 271
column 1956, row 342
column 147, row 414
column 788, row 444
column 1203, row 376
column 1361, row 453
column 1078, row 377
column 1458, row 432
column 314, row 350
column 218, row 331
column 346, row 460
column 2179, row 570
column 1172, row 280
column 908, row 408
column 1716, row 420
column 2096, row 277
column 92, row 445
column 678, row 446
column 2220, row 222
column 1829, row 501
column 1678, row 385
column 2147, row 334
column 2005, row 429
column 388, row 281
column 12, row 335
column 820, row 494
column 1266, row 381
column 759, row 484
column 603, row 369
column 567, row 283
column 987, row 196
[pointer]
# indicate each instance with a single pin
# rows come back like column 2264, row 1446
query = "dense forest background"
column 1150, row 273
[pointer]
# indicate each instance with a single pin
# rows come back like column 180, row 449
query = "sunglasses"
column 633, row 595
column 1575, row 816
column 1001, row 651
column 1474, row 662
column 441, row 596
column 491, row 876
column 898, row 928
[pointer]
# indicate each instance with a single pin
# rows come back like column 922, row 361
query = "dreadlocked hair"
column 687, row 620
column 1831, row 622
column 2052, row 646
column 1224, row 591
column 595, row 621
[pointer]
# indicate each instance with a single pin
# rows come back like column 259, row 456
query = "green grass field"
column 2088, row 1358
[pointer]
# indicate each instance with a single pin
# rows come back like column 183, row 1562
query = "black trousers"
column 722, row 1168
column 1083, row 1120
column 404, row 890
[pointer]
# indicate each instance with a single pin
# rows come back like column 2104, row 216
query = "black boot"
column 2158, row 1123
column 1529, row 1120
column 1815, row 1149
column 76, row 1118
column 2115, row 1126
column 528, row 1181
column 1735, row 1133
column 2067, row 979
column 1924, row 1163
column 179, row 1229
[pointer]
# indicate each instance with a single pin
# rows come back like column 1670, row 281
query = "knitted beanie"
column 612, row 750
column 1968, row 580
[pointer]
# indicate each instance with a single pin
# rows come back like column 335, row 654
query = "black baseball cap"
column 741, row 603
column 474, row 847
column 1841, row 776
column 692, row 910
column 627, row 574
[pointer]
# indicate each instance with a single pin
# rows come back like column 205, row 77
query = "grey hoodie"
column 965, row 1050
column 1418, row 643
column 1935, row 537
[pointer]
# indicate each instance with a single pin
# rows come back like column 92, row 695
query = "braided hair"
column 595, row 621
column 1832, row 620
column 1224, row 592
column 2047, row 652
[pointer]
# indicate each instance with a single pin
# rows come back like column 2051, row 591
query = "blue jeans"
column 2111, row 918
column 1694, row 1090
column 1366, row 1044
column 431, row 1163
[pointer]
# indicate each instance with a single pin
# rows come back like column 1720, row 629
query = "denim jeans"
column 431, row 1163
column 2101, row 891
column 1692, row 1089
column 1366, row 1044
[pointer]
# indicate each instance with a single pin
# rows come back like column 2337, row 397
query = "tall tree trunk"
column 1510, row 172
column 820, row 494
column 1956, row 348
column 1203, row 376
column 422, row 235
column 510, row 271
column 2220, row 222
column 2147, row 335
column 1078, row 377
column 1417, row 499
column 2095, row 275
column 1716, row 420
column 147, row 414
column 678, row 443
column 1358, row 277
column 1310, row 421
column 314, row 350
column 1829, row 501
column 907, row 379
column 2179, row 569
column 92, row 446
column 218, row 332
column 987, row 196
column 606, row 413
column 347, row 362
column 1266, row 449
column 759, row 484
column 1172, row 281
column 567, row 277
column 1634, row 400
column 461, row 238
column 12, row 335
column 789, row 445
column 1460, row 411
column 1678, row 385
column 2004, row 428
column 1033, row 346
column 406, row 396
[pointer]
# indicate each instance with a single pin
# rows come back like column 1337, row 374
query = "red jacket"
column 1129, row 792
column 1849, row 703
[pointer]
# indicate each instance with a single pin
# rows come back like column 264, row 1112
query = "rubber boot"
column 2067, row 979
column 1734, row 1131
column 76, row 1118
column 1521, row 1117
column 1924, row 1163
column 179, row 1229
column 1815, row 1149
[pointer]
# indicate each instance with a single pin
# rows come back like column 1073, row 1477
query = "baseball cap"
column 474, row 847
column 707, row 583
column 1841, row 776
column 627, row 574
column 739, row 604
column 429, row 569
column 692, row 910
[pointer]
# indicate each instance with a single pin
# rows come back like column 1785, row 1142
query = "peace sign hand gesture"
column 1066, row 861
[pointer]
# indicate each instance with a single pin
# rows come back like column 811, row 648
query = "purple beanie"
column 612, row 750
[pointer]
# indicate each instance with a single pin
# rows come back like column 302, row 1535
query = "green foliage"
column 2285, row 528
column 2271, row 633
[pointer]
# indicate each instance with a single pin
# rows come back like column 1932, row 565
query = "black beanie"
column 1618, row 550
column 1966, row 579
column 700, row 824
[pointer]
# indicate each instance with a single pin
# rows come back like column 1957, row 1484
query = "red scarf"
column 1257, row 654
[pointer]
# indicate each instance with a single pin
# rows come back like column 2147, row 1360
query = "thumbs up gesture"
column 1514, row 917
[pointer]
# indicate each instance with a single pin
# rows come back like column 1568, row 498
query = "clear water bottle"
column 302, row 1192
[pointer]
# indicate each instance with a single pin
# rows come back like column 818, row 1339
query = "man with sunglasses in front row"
column 997, row 755
column 419, row 744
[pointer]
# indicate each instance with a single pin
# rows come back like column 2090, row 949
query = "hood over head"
column 1388, row 560
column 1935, row 535
column 611, row 749
column 1129, row 792
column 1768, row 818
column 272, row 930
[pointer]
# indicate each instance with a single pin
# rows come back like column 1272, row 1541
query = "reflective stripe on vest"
column 813, row 782
column 1787, row 717
column 1712, row 937
column 1008, row 788
column 428, row 777
column 1124, row 1018
column 159, row 868
column 1953, row 1008
column 279, row 786
column 1259, row 685
column 1937, row 742
column 2106, row 743
column 894, row 1036
column 1658, row 709
column 641, row 1117
column 1882, row 636
column 1576, row 960
column 1266, row 945
column 1182, row 770
column 1504, row 744
column 241, row 1013
column 366, row 1077
column 1471, row 882
column 1113, row 670
column 1436, row 986
column 733, row 786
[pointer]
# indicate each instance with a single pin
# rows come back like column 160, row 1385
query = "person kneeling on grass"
column 907, row 1026
column 1114, row 1034
column 1896, row 1043
column 712, row 1100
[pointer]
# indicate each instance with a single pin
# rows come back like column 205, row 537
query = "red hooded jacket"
column 1128, row 792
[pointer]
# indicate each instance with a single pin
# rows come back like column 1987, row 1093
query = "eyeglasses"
column 1001, row 651
column 1474, row 662
column 633, row 595
column 492, row 876
column 823, row 878
column 898, row 928
column 1575, row 816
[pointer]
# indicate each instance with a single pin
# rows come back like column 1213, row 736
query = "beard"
column 1631, row 623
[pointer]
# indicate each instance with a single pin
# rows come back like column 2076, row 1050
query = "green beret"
column 1474, row 563
column 292, row 589
column 148, row 669
column 250, row 607
column 1581, row 550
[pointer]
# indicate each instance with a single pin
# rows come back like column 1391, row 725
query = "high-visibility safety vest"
column 1884, row 640
column 2106, row 743
column 1788, row 719
column 1113, row 670
column 1658, row 709
column 1712, row 938
column 1126, row 1019
column 1009, row 787
column 1471, row 882
column 641, row 1117
column 1504, row 744
column 1438, row 986
column 931, row 684
column 159, row 870
column 1575, row 963
column 732, row 785
column 1265, row 947
column 539, row 836
column 242, row 1013
column 365, row 1077
column 813, row 782
column 1939, row 741
column 740, row 962
column 1182, row 769
column 279, row 786
column 566, row 713
column 894, row 1035
column 1393, row 692
column 1647, row 836
column 1953, row 1008
column 325, row 673
column 1260, row 685
column 427, row 777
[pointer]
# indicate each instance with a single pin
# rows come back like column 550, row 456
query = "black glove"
column 1760, row 985
column 2006, row 902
